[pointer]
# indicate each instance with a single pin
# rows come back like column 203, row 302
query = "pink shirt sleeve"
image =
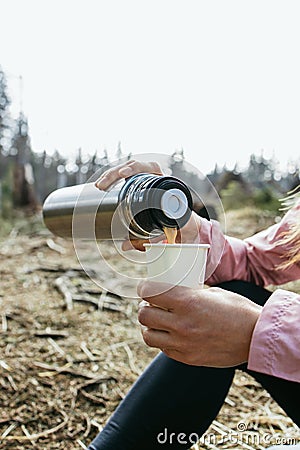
column 254, row 259
column 275, row 344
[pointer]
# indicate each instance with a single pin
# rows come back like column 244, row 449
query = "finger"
column 155, row 318
column 134, row 167
column 127, row 245
column 163, row 295
column 110, row 176
column 129, row 168
column 138, row 244
column 157, row 339
column 134, row 244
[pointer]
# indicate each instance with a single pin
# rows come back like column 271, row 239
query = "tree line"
column 27, row 177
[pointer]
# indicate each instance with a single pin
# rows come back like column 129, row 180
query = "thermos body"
column 60, row 205
column 140, row 207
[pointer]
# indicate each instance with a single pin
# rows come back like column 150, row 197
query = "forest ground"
column 69, row 353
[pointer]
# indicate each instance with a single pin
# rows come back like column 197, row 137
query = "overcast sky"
column 219, row 78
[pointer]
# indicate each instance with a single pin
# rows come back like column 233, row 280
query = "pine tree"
column 23, row 190
column 4, row 113
column 4, row 141
column 119, row 153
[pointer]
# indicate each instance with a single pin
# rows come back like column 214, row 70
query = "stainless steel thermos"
column 140, row 207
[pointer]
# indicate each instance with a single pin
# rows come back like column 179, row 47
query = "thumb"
column 134, row 244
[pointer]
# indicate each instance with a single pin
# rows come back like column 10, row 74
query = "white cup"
column 177, row 264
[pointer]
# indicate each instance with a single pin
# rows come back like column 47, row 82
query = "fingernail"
column 126, row 171
column 101, row 182
column 126, row 245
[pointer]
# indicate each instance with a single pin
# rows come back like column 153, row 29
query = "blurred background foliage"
column 27, row 176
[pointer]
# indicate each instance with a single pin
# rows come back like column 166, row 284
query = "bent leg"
column 285, row 393
column 168, row 399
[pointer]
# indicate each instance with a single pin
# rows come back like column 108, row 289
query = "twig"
column 60, row 350
column 85, row 299
column 61, row 286
column 82, row 445
column 5, row 366
column 36, row 436
column 229, row 402
column 131, row 360
column 4, row 323
column 88, row 426
column 12, row 383
column 118, row 344
column 53, row 246
column 9, row 429
column 93, row 398
column 54, row 268
column 107, row 304
column 48, row 332
column 5, row 420
column 119, row 391
column 97, row 425
column 81, row 388
column 66, row 369
column 27, row 434
column 96, row 380
column 85, row 350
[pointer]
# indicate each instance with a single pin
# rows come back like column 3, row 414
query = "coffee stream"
column 171, row 234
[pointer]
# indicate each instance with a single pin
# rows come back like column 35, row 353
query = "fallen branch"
column 9, row 429
column 52, row 268
column 132, row 365
column 60, row 350
column 53, row 246
column 96, row 380
column 4, row 323
column 36, row 436
column 27, row 434
column 49, row 333
column 62, row 287
column 93, row 398
column 5, row 366
column 67, row 369
column 88, row 426
column 82, row 445
column 107, row 304
column 87, row 352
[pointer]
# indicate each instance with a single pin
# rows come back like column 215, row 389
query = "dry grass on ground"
column 63, row 371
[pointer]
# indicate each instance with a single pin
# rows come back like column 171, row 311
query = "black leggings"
column 172, row 397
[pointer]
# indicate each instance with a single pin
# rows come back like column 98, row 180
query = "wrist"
column 252, row 318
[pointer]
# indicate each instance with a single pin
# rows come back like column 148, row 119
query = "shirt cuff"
column 275, row 344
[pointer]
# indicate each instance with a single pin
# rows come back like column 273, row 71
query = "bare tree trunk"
column 24, row 195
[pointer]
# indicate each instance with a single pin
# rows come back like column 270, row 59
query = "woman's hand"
column 188, row 234
column 128, row 169
column 206, row 327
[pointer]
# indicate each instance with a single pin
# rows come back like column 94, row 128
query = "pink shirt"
column 275, row 345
